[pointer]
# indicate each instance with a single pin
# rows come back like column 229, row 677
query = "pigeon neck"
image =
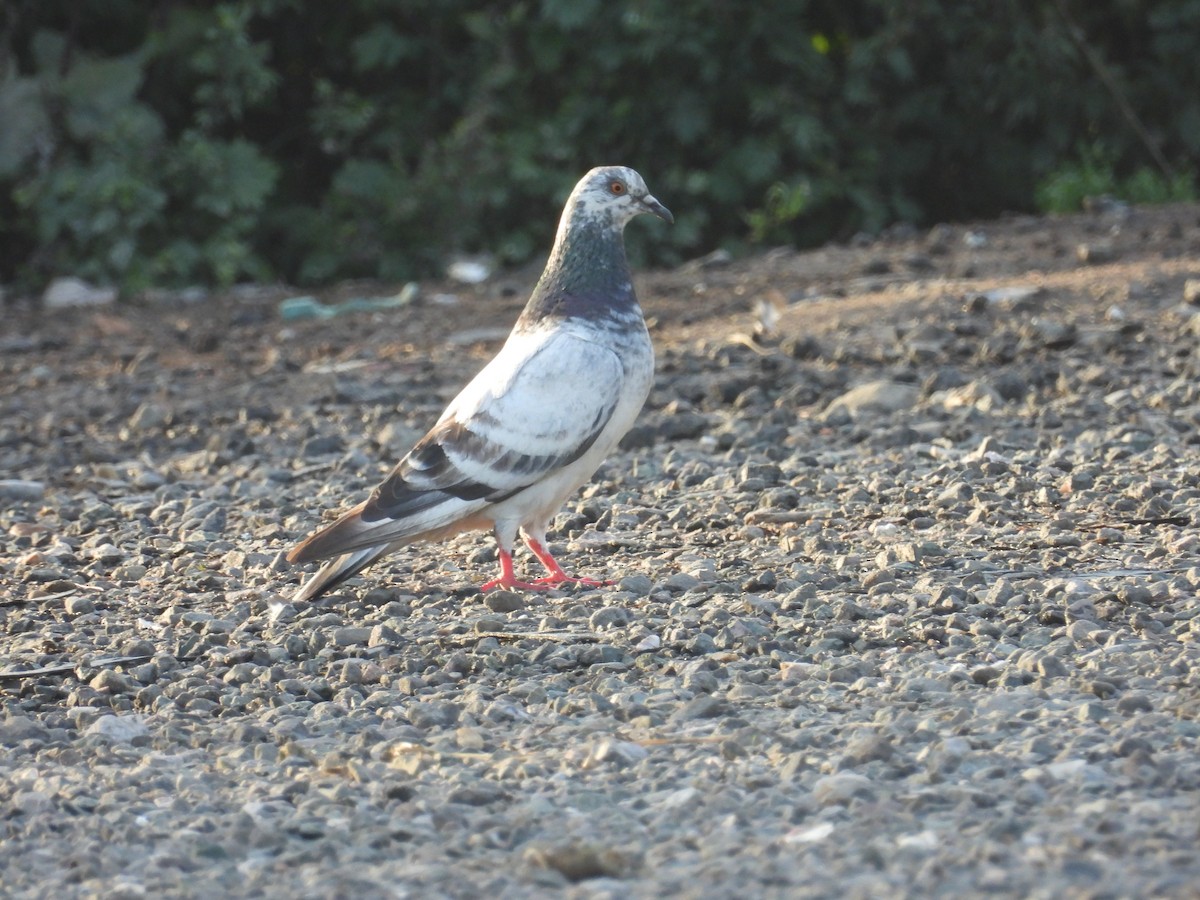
column 587, row 274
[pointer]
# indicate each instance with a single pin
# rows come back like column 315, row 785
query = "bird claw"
column 508, row 578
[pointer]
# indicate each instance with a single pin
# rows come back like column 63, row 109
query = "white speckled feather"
column 535, row 423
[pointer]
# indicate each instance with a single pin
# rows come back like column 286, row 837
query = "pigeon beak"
column 653, row 207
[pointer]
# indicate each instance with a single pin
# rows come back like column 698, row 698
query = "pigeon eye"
column 616, row 187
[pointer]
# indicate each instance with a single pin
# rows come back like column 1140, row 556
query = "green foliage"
column 199, row 141
column 783, row 205
column 1066, row 188
column 105, row 188
column 1149, row 186
column 1093, row 174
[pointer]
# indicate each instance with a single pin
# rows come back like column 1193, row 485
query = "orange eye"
column 617, row 188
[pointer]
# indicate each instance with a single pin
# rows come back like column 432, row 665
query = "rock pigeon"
column 536, row 422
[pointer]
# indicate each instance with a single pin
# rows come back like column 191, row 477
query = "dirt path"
column 907, row 568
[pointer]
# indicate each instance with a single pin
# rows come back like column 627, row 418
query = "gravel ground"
column 907, row 571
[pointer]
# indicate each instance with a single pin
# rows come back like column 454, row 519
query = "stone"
column 67, row 292
column 121, row 729
column 839, row 789
column 79, row 605
column 501, row 601
column 874, row 396
column 350, row 635
column 579, row 860
column 21, row 491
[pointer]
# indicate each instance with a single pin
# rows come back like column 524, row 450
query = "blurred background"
column 179, row 143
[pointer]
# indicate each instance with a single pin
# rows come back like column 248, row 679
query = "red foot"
column 508, row 578
column 557, row 575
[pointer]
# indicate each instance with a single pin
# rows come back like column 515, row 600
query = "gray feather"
column 534, row 424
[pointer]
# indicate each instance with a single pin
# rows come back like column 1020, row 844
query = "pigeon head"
column 613, row 195
column 587, row 275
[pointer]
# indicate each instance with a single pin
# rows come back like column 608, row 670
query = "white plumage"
column 536, row 422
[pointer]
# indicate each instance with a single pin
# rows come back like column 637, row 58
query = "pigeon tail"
column 537, row 421
column 354, row 541
column 359, row 530
column 338, row 570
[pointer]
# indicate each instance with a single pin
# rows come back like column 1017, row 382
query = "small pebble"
column 502, row 601
column 79, row 605
column 906, row 601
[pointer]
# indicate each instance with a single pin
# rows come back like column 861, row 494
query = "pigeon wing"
column 538, row 406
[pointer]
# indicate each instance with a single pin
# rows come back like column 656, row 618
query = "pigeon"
column 535, row 423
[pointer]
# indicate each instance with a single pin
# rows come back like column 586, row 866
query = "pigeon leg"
column 557, row 575
column 508, row 578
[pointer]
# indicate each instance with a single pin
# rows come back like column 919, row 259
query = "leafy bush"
column 105, row 188
column 200, row 141
column 1093, row 174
